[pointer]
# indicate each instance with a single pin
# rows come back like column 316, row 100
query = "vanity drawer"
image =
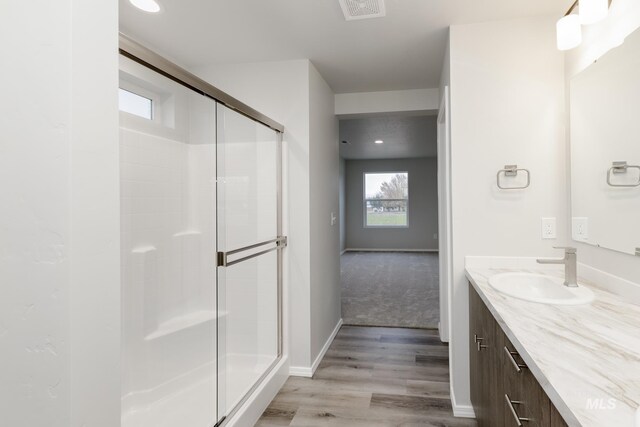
column 520, row 385
column 524, row 400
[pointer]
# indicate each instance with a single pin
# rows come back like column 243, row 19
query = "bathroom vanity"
column 504, row 392
column 553, row 364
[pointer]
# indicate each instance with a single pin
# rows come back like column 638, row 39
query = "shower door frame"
column 150, row 59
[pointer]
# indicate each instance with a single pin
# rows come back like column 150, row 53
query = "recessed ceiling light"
column 151, row 6
column 379, row 141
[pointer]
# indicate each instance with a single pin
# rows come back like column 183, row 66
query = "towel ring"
column 621, row 168
column 512, row 171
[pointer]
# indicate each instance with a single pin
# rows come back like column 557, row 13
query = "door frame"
column 444, row 215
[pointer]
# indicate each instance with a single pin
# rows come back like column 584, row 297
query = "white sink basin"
column 540, row 288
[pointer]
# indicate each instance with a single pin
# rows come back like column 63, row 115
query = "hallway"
column 371, row 377
column 397, row 289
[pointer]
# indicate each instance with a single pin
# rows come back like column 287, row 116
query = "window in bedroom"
column 386, row 199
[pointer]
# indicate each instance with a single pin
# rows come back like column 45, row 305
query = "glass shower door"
column 248, row 217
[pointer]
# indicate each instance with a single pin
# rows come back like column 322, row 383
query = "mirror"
column 605, row 133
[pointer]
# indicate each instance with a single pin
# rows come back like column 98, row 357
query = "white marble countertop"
column 586, row 357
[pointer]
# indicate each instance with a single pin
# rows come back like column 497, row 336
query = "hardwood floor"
column 372, row 377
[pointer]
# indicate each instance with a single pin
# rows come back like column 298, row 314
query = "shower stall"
column 201, row 246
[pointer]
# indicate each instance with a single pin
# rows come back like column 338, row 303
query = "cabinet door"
column 476, row 333
column 556, row 418
column 486, row 380
column 494, row 382
column 537, row 406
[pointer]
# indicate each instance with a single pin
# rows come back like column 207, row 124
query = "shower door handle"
column 223, row 257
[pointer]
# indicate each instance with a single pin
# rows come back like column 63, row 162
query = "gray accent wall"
column 423, row 205
column 343, row 208
column 324, row 171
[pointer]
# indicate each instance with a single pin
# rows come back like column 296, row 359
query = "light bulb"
column 569, row 33
column 592, row 11
column 151, row 6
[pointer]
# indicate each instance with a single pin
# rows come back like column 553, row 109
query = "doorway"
column 389, row 194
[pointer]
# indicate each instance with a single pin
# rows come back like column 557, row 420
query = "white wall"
column 623, row 19
column 59, row 256
column 417, row 101
column 507, row 106
column 324, row 189
column 423, row 205
column 283, row 91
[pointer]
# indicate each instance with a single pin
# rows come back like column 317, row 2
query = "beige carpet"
column 390, row 289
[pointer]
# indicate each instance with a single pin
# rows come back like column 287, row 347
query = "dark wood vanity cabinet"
column 504, row 393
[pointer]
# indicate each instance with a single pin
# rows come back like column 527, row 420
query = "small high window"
column 386, row 199
column 135, row 104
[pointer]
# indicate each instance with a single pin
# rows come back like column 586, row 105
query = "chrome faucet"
column 570, row 262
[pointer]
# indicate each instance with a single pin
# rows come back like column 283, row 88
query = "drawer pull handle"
column 518, row 418
column 476, row 338
column 480, row 345
column 515, row 364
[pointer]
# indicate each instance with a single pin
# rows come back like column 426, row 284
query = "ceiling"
column 403, row 137
column 403, row 50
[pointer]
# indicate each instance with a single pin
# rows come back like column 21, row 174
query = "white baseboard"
column 325, row 348
column 443, row 338
column 388, row 250
column 303, row 371
column 342, row 252
column 461, row 411
column 300, row 371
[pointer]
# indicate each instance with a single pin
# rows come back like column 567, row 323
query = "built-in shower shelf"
column 180, row 323
column 143, row 249
column 187, row 233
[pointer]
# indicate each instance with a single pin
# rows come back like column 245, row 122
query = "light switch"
column 580, row 228
column 548, row 228
column 333, row 219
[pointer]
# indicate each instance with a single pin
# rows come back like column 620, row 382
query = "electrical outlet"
column 580, row 228
column 548, row 228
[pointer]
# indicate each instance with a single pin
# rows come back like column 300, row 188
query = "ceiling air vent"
column 362, row 9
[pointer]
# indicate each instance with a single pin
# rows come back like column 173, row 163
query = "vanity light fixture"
column 150, row 6
column 568, row 28
column 569, row 32
column 379, row 141
column 592, row 11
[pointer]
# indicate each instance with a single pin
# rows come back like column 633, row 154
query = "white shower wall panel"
column 168, row 259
